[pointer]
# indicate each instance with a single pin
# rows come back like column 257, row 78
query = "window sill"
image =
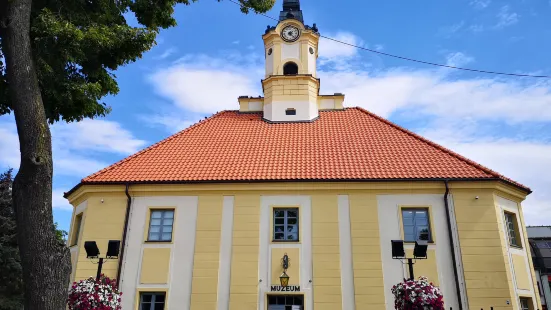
column 153, row 241
column 514, row 246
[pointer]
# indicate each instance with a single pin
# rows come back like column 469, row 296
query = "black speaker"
column 91, row 249
column 113, row 248
column 398, row 249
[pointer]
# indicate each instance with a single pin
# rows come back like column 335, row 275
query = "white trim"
column 152, row 286
column 506, row 205
column 81, row 207
column 544, row 282
column 305, row 245
column 345, row 244
column 389, row 229
column 224, row 269
column 458, row 258
column 181, row 254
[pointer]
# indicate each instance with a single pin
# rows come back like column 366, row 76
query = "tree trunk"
column 46, row 263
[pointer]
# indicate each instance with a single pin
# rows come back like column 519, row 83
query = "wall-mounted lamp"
column 419, row 252
column 92, row 251
column 284, row 278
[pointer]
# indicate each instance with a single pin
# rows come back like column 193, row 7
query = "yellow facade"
column 155, row 266
column 246, row 226
column 364, row 227
column 207, row 253
column 325, row 250
column 486, row 269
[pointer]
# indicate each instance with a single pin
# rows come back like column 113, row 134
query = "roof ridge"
column 120, row 162
column 441, row 148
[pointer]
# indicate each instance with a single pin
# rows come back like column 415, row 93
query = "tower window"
column 290, row 68
column 290, row 112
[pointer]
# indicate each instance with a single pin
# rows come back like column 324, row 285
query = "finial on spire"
column 291, row 10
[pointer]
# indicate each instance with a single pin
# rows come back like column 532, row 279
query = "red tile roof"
column 353, row 144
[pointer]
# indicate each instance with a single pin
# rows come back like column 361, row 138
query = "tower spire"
column 291, row 10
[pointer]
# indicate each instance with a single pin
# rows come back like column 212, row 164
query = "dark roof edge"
column 72, row 190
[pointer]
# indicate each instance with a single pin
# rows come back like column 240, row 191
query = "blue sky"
column 501, row 122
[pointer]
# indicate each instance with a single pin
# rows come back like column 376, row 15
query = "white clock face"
column 290, row 33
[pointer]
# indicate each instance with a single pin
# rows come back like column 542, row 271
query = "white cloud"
column 203, row 84
column 58, row 202
column 506, row 17
column 235, row 42
column 72, row 144
column 435, row 93
column 480, row 4
column 458, row 59
column 330, row 50
column 97, row 135
column 168, row 52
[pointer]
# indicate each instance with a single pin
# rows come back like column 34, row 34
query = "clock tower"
column 291, row 87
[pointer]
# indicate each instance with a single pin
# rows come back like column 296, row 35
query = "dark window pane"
column 271, row 300
column 279, row 213
column 292, row 221
column 159, row 306
column 279, row 228
column 280, row 221
column 146, row 297
column 416, row 225
column 292, row 213
column 279, row 236
column 160, row 298
column 292, row 237
column 281, row 300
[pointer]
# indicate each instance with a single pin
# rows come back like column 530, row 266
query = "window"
column 290, row 112
column 152, row 301
column 285, row 302
column 290, row 68
column 416, row 225
column 76, row 229
column 286, row 224
column 525, row 304
column 160, row 225
column 511, row 227
column 543, row 245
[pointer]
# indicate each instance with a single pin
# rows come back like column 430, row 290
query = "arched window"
column 290, row 68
